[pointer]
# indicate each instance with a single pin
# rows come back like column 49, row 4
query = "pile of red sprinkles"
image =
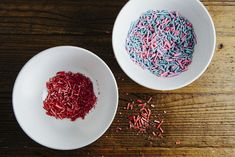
column 70, row 95
column 142, row 120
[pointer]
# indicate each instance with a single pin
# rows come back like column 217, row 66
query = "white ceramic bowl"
column 29, row 90
column 204, row 28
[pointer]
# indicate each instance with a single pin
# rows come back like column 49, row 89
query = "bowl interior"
column 29, row 90
column 204, row 29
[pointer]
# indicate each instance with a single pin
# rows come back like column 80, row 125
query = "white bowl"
column 204, row 29
column 29, row 90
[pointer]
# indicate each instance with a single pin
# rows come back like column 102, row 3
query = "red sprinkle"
column 139, row 101
column 70, row 95
column 159, row 125
column 142, row 105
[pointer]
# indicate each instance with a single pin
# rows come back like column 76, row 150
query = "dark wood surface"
column 201, row 116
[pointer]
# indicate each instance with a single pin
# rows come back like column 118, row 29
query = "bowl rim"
column 175, row 87
column 48, row 51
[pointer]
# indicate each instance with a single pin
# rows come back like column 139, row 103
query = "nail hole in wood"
column 221, row 46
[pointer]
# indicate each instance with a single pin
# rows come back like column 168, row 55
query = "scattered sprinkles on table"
column 162, row 42
column 142, row 119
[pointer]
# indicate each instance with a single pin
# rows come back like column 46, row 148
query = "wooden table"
column 201, row 116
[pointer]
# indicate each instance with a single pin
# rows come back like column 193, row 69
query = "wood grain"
column 200, row 116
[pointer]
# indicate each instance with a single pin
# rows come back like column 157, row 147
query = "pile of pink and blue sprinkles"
column 162, row 42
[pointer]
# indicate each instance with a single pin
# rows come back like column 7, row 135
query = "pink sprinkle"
column 154, row 134
column 131, row 106
column 154, row 36
column 155, row 60
column 148, row 37
column 167, row 28
column 177, row 54
column 187, row 61
column 139, row 101
column 156, row 121
column 164, row 74
column 180, row 64
column 128, row 106
column 169, row 60
column 131, row 125
column 176, row 32
column 149, row 113
column 149, row 100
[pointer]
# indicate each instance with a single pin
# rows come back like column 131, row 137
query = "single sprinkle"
column 156, row 121
column 128, row 106
column 159, row 125
column 149, row 100
column 162, row 42
column 118, row 128
column 154, row 134
column 177, row 142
